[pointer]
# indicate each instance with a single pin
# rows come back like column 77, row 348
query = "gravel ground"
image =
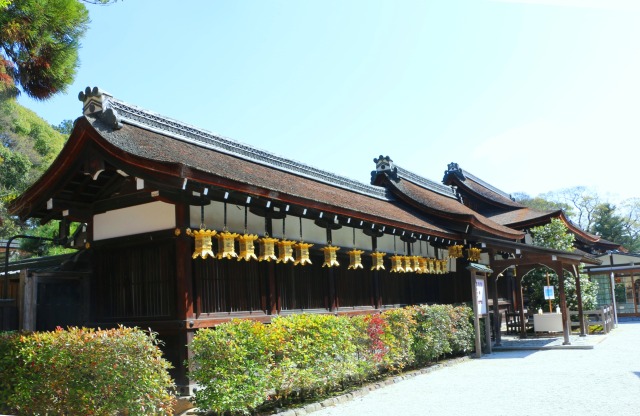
column 604, row 380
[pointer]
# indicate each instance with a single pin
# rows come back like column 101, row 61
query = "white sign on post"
column 480, row 298
column 548, row 293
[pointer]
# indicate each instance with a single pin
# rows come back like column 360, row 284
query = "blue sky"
column 531, row 96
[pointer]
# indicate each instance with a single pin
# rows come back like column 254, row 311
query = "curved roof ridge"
column 163, row 125
column 486, row 185
column 426, row 183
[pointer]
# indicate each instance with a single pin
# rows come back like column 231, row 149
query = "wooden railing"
column 603, row 317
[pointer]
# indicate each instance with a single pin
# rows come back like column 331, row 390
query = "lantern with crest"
column 202, row 237
column 226, row 246
column 396, row 264
column 246, row 242
column 473, row 254
column 301, row 250
column 455, row 251
column 330, row 256
column 377, row 260
column 267, row 248
column 355, row 260
column 285, row 251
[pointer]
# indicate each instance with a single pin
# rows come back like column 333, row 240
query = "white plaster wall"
column 154, row 216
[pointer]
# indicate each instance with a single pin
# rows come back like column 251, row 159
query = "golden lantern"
column 302, row 253
column 285, row 251
column 444, row 266
column 416, row 264
column 246, row 246
column 432, row 266
column 396, row 264
column 437, row 264
column 355, row 261
column 377, row 260
column 226, row 246
column 455, row 251
column 267, row 249
column 424, row 267
column 406, row 261
column 473, row 254
column 330, row 256
column 203, row 242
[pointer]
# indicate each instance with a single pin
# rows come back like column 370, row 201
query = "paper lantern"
column 226, row 246
column 203, row 242
column 246, row 246
column 302, row 253
column 330, row 256
column 285, row 251
column 377, row 260
column 267, row 249
column 355, row 261
column 396, row 264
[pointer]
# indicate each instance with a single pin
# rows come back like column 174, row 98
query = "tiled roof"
column 152, row 144
column 450, row 208
column 477, row 186
column 153, row 122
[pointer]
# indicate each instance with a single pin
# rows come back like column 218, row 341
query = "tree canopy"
column 39, row 41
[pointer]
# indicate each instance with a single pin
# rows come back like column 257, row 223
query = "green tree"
column 555, row 235
column 39, row 41
column 539, row 203
column 608, row 224
column 28, row 144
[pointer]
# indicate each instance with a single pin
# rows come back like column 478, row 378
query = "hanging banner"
column 482, row 301
column 548, row 293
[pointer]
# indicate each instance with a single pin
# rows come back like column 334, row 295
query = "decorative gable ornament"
column 285, row 251
column 226, row 246
column 377, row 260
column 396, row 264
column 267, row 249
column 203, row 242
column 330, row 256
column 355, row 260
column 302, row 253
column 246, row 247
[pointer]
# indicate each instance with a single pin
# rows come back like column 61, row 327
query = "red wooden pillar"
column 184, row 297
column 563, row 302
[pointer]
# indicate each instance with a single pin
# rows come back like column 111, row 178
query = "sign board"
column 548, row 293
column 480, row 298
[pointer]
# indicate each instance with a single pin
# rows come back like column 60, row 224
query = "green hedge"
column 84, row 371
column 241, row 365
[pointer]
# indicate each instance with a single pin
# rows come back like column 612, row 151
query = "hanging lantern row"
column 419, row 265
column 298, row 253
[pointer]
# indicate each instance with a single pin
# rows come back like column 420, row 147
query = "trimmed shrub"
column 398, row 336
column 461, row 334
column 242, row 365
column 84, row 371
column 314, row 354
column 232, row 364
column 431, row 338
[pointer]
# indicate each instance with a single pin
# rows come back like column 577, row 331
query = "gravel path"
column 604, row 380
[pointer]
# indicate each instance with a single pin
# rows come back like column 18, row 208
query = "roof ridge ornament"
column 97, row 102
column 454, row 168
column 384, row 164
